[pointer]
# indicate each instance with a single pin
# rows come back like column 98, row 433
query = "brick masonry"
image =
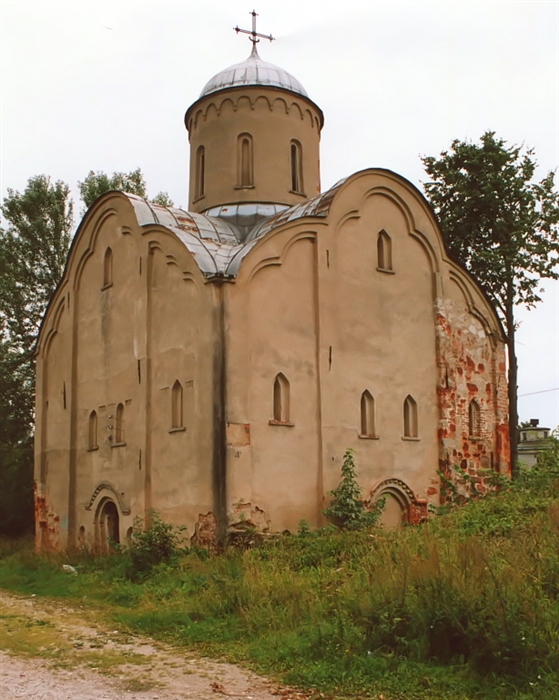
column 471, row 366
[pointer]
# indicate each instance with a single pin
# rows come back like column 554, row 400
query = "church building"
column 214, row 365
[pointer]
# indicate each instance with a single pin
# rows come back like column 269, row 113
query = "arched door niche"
column 107, row 525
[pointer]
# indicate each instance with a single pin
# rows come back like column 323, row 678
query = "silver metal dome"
column 253, row 71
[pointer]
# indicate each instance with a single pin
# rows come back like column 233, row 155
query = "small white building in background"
column 532, row 440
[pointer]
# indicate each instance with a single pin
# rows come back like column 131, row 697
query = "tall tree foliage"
column 502, row 226
column 33, row 250
column 96, row 184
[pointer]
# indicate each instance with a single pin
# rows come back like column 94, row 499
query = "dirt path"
column 49, row 651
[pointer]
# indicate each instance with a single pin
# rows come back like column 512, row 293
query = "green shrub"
column 347, row 509
column 153, row 545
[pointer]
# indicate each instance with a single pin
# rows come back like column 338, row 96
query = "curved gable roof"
column 219, row 246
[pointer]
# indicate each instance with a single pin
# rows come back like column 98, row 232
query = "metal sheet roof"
column 253, row 71
column 216, row 241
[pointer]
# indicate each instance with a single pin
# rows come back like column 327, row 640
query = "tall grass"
column 465, row 606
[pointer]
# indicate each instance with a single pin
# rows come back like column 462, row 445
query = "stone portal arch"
column 107, row 525
column 398, row 502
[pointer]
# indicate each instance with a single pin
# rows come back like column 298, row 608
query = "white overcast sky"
column 105, row 85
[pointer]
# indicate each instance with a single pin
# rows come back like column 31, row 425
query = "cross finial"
column 253, row 33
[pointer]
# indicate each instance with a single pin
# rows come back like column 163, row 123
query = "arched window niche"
column 384, row 252
column 108, row 269
column 92, row 432
column 177, row 407
column 474, row 419
column 296, row 167
column 119, row 426
column 410, row 418
column 281, row 401
column 245, row 162
column 367, row 424
column 200, row 173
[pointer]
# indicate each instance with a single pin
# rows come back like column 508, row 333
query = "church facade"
column 214, row 365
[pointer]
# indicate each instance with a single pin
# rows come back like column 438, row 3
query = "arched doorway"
column 108, row 525
column 395, row 512
column 397, row 498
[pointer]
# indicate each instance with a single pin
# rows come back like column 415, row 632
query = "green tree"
column 33, row 250
column 502, row 226
column 163, row 199
column 96, row 184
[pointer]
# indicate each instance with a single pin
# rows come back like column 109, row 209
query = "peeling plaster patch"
column 238, row 434
column 470, row 369
column 47, row 532
column 245, row 515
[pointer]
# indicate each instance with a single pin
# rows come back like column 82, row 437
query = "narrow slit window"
column 92, row 439
column 474, row 418
column 367, row 414
column 200, row 172
column 296, row 167
column 245, row 176
column 119, row 424
column 410, row 417
column 108, row 268
column 281, row 399
column 177, row 412
column 384, row 251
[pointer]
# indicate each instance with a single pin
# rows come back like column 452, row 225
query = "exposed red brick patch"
column 47, row 531
column 465, row 364
column 205, row 531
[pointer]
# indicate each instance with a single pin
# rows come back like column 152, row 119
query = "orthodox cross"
column 253, row 33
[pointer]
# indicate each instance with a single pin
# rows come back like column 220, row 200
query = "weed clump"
column 348, row 510
column 157, row 543
column 463, row 606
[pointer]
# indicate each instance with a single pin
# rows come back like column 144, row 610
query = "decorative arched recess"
column 216, row 105
column 458, row 276
column 77, row 259
column 396, row 486
column 382, row 191
column 277, row 259
column 106, row 489
column 44, row 346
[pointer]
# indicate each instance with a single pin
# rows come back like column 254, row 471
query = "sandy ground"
column 49, row 651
